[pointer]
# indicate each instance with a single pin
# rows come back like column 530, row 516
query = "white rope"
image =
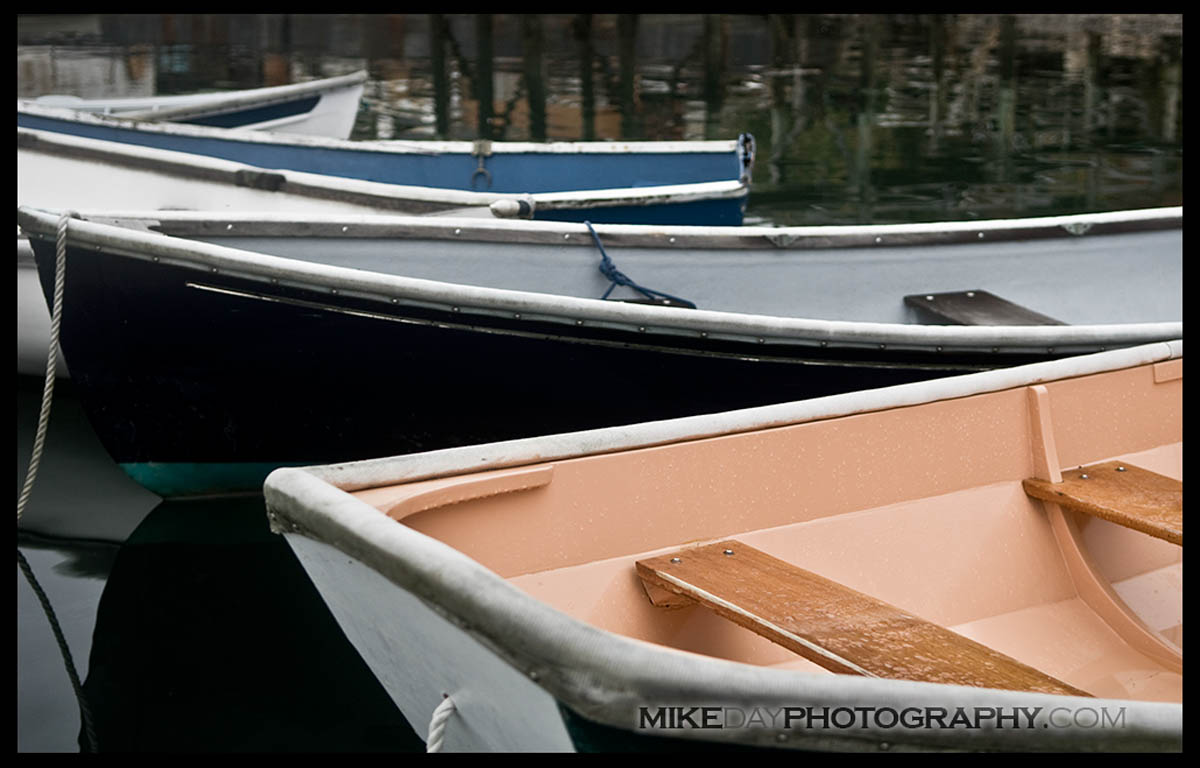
column 39, row 441
column 437, row 724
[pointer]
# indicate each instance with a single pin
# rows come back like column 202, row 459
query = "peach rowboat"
column 875, row 570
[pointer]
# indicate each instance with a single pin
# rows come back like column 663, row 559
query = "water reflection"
column 858, row 117
column 70, row 576
column 190, row 624
column 81, row 558
column 210, row 637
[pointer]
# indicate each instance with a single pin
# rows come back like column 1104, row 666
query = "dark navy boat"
column 208, row 349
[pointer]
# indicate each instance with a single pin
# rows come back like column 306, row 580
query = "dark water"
column 193, row 628
column 859, row 118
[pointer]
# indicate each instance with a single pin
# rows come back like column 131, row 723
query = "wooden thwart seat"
column 977, row 308
column 1121, row 493
column 832, row 625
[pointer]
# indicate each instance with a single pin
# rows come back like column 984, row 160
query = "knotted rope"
column 609, row 270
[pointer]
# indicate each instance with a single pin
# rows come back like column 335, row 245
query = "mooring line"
column 437, row 724
column 35, row 460
column 39, row 440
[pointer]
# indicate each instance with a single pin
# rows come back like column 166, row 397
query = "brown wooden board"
column 977, row 307
column 1122, row 493
column 832, row 625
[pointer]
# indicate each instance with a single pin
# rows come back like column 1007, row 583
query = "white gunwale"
column 389, row 290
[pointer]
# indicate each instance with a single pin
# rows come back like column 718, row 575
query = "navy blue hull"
column 728, row 212
column 255, row 115
column 182, row 371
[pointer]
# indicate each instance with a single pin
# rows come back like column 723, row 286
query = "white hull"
column 33, row 318
column 332, row 117
column 61, row 180
column 499, row 709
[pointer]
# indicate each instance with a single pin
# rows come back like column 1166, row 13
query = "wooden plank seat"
column 834, row 626
column 977, row 307
column 1121, row 493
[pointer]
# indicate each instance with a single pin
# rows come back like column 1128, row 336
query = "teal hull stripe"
column 175, row 479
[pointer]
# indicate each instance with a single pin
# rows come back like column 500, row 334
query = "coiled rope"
column 437, row 724
column 609, row 270
column 35, row 460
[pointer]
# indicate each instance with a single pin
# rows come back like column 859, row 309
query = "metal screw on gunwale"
column 729, row 551
column 676, row 560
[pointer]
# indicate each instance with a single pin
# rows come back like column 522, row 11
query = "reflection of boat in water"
column 192, row 627
column 57, row 594
column 80, row 510
column 209, row 637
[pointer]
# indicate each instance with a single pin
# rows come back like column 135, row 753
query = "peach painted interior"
column 919, row 506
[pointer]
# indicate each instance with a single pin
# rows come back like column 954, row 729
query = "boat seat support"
column 1092, row 586
column 840, row 629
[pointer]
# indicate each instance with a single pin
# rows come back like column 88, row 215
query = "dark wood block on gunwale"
column 977, row 307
